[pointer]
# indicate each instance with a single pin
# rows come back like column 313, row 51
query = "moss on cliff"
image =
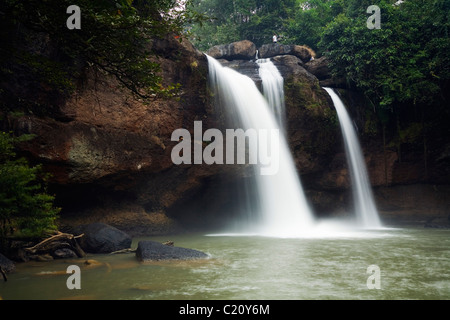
column 312, row 121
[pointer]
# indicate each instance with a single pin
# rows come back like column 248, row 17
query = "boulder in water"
column 154, row 251
column 6, row 265
column 103, row 238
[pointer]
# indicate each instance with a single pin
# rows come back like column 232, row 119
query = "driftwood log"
column 127, row 250
column 57, row 241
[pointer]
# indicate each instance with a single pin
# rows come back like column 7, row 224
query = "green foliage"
column 254, row 20
column 307, row 22
column 114, row 38
column 26, row 210
column 402, row 68
column 294, row 21
column 397, row 63
column 407, row 60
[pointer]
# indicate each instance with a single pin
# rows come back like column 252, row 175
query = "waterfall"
column 281, row 204
column 364, row 204
column 273, row 89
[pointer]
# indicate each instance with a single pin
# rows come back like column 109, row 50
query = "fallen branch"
column 127, row 250
column 47, row 244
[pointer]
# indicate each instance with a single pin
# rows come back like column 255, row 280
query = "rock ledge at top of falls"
column 246, row 50
column 304, row 53
column 241, row 55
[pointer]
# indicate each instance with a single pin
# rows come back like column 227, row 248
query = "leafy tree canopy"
column 113, row 38
column 254, row 20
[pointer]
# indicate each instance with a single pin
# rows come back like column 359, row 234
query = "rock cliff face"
column 110, row 154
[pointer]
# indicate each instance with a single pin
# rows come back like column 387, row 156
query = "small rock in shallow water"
column 64, row 253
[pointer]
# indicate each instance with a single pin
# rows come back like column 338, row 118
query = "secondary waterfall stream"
column 364, row 204
column 273, row 89
column 280, row 201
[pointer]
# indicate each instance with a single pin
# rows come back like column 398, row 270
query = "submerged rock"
column 152, row 250
column 64, row 253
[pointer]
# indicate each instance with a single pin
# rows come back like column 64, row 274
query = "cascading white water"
column 365, row 208
column 273, row 89
column 283, row 209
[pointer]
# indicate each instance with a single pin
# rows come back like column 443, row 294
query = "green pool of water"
column 412, row 264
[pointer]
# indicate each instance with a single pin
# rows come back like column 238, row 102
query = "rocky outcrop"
column 246, row 50
column 275, row 49
column 247, row 67
column 319, row 68
column 107, row 131
column 155, row 251
column 242, row 55
column 240, row 50
column 109, row 153
column 293, row 67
